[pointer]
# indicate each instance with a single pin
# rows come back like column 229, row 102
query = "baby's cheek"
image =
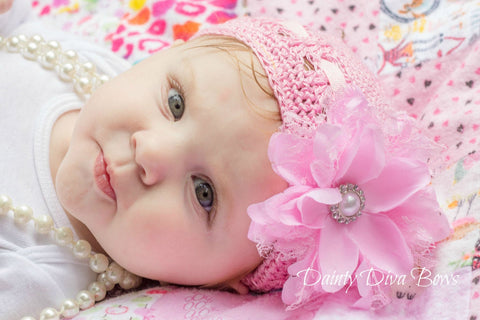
column 225, row 95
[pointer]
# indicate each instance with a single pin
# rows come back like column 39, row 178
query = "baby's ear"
column 238, row 286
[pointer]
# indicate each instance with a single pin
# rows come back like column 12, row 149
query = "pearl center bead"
column 351, row 206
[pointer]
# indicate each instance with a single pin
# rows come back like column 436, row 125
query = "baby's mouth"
column 102, row 178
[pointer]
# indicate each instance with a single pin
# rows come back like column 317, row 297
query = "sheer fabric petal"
column 421, row 210
column 399, row 179
column 381, row 243
column 291, row 157
column 365, row 159
column 313, row 206
column 338, row 254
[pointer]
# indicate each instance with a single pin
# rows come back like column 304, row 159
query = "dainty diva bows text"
column 421, row 277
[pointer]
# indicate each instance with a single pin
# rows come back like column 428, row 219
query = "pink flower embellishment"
column 351, row 201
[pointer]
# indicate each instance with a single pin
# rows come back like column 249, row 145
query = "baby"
column 159, row 166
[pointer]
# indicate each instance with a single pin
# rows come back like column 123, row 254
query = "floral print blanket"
column 134, row 29
column 426, row 54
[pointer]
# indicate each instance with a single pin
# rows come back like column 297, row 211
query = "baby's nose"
column 155, row 154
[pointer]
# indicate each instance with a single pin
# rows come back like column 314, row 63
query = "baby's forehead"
column 254, row 82
column 241, row 54
column 219, row 42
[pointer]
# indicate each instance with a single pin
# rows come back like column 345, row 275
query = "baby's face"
column 186, row 154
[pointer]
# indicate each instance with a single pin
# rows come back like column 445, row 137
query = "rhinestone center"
column 351, row 206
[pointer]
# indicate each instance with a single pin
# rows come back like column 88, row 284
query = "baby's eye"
column 204, row 193
column 176, row 104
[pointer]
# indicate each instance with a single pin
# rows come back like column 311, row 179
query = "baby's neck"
column 59, row 142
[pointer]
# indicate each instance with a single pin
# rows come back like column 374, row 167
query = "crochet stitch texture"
column 296, row 61
column 306, row 70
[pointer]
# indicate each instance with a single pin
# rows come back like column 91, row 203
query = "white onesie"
column 35, row 272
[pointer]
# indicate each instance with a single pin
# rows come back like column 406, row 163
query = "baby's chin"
column 77, row 197
column 68, row 188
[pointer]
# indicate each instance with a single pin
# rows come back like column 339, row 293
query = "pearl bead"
column 67, row 63
column 102, row 277
column 22, row 214
column 30, row 51
column 130, row 281
column 88, row 67
column 22, row 38
column 66, row 72
column 98, row 289
column 49, row 314
column 49, row 59
column 43, row 224
column 98, row 263
column 70, row 308
column 82, row 249
column 83, row 85
column 37, row 38
column 115, row 272
column 104, row 78
column 5, row 204
column 70, row 56
column 64, row 236
column 350, row 204
column 54, row 45
column 85, row 299
column 13, row 44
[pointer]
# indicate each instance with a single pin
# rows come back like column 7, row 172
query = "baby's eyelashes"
column 205, row 198
column 204, row 193
column 176, row 104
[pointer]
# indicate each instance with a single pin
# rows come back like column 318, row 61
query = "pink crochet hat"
column 307, row 71
column 305, row 68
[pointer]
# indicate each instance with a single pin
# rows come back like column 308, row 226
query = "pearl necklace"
column 67, row 63
column 109, row 273
column 85, row 80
